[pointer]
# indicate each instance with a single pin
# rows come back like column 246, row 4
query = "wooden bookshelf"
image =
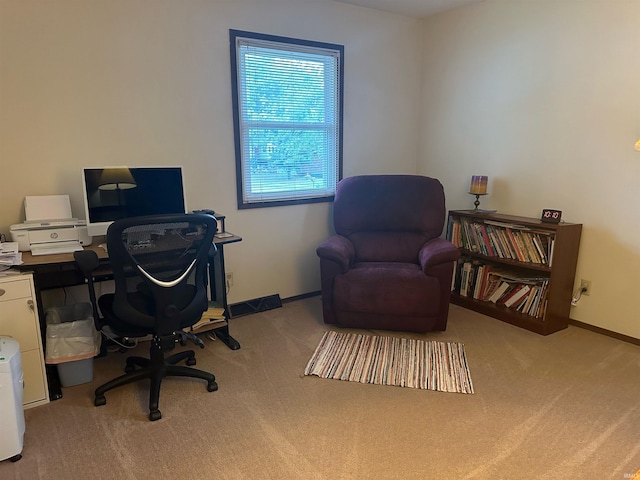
column 526, row 247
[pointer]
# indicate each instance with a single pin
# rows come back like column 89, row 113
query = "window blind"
column 288, row 120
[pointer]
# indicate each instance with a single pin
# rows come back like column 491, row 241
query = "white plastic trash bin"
column 71, row 342
column 11, row 389
column 76, row 372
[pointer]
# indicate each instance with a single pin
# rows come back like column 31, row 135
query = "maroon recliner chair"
column 387, row 267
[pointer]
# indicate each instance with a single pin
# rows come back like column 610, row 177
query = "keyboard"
column 56, row 248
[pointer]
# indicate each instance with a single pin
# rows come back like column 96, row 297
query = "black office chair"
column 159, row 268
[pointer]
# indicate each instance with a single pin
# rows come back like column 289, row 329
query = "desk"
column 59, row 271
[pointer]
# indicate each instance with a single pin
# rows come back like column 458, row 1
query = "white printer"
column 49, row 227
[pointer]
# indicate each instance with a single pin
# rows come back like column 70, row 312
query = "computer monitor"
column 112, row 193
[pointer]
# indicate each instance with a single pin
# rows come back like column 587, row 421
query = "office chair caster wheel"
column 100, row 400
column 191, row 361
column 15, row 458
column 212, row 386
column 155, row 415
column 129, row 369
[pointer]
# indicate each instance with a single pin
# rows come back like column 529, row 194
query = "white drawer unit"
column 19, row 319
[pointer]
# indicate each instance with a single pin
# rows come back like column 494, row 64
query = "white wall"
column 147, row 82
column 541, row 96
column 544, row 98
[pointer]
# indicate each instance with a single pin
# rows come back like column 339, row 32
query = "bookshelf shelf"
column 522, row 252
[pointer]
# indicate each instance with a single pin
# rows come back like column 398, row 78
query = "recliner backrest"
column 389, row 217
column 159, row 265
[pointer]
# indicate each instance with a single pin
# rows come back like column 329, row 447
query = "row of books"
column 488, row 283
column 497, row 239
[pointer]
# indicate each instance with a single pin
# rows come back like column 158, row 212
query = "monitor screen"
column 112, row 193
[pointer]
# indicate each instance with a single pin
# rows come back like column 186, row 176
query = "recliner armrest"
column 436, row 252
column 337, row 249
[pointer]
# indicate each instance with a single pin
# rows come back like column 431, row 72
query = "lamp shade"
column 116, row 179
column 637, row 146
column 478, row 185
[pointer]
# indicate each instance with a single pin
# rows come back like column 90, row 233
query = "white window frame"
column 256, row 189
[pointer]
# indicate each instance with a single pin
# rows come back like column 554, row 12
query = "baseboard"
column 604, row 331
column 301, row 297
column 254, row 306
column 274, row 301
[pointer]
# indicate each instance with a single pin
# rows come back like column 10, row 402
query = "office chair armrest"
column 337, row 249
column 87, row 261
column 436, row 252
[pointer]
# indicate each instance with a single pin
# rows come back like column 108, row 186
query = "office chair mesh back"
column 159, row 266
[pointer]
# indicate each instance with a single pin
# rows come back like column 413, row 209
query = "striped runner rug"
column 401, row 362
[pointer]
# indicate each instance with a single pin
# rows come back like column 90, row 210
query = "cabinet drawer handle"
column 2, row 291
column 30, row 303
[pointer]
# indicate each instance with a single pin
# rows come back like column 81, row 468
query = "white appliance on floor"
column 11, row 389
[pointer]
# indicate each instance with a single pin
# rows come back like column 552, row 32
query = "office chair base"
column 156, row 368
column 143, row 362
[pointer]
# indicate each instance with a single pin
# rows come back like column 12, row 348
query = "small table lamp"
column 637, row 145
column 478, row 187
column 118, row 179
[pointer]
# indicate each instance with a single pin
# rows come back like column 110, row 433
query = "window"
column 287, row 107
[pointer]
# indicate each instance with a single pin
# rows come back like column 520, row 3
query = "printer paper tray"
column 54, row 248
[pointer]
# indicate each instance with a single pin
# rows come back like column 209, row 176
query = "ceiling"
column 413, row 8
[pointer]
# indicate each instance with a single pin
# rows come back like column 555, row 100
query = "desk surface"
column 29, row 260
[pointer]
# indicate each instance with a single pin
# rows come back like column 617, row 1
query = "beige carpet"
column 558, row 407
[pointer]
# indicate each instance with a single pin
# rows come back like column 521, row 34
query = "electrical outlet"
column 230, row 279
column 585, row 287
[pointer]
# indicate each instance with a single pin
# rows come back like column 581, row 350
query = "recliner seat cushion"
column 393, row 288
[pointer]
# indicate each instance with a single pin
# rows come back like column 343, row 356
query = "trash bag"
column 71, row 334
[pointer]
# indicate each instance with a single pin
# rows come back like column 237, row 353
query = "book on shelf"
column 521, row 301
column 501, row 239
column 499, row 292
column 537, row 305
column 537, row 242
column 517, row 295
column 514, row 240
column 507, row 246
column 513, row 289
column 480, row 282
column 519, row 289
column 524, row 307
column 496, row 242
column 508, row 286
column 532, row 251
column 455, row 278
column 502, row 224
column 486, row 241
column 493, row 282
column 465, row 280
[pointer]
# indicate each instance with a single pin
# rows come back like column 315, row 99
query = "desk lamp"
column 116, row 179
